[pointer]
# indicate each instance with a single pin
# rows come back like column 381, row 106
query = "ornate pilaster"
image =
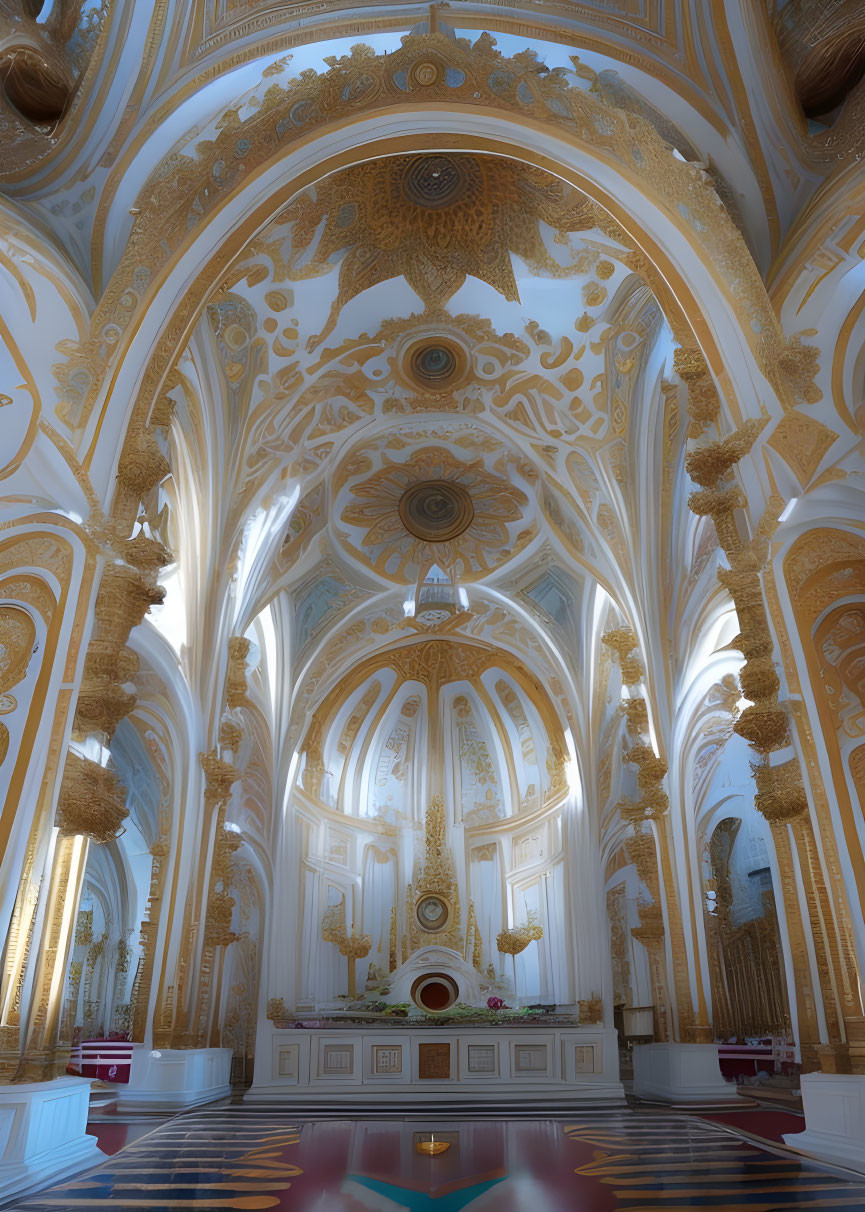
column 780, row 794
column 655, row 856
column 39, row 1061
column 219, row 776
column 143, row 982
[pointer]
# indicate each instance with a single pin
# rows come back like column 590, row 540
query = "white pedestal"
column 834, row 1106
column 42, row 1135
column 170, row 1078
column 681, row 1073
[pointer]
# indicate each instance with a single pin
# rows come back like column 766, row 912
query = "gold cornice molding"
column 362, row 85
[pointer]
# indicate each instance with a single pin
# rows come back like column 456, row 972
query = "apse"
column 433, row 794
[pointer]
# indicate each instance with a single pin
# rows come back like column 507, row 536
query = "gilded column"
column 764, row 725
column 70, row 855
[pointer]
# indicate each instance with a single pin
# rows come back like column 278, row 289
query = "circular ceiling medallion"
column 434, row 992
column 432, row 913
column 434, row 182
column 433, row 363
column 436, row 510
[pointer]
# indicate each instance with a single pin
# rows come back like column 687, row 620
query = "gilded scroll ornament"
column 276, row 1009
column 230, row 734
column 764, row 723
column 710, row 462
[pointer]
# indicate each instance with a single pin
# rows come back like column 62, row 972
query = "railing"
column 107, row 1060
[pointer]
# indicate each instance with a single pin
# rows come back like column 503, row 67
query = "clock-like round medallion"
column 432, row 913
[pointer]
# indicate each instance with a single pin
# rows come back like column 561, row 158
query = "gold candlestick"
column 432, row 1147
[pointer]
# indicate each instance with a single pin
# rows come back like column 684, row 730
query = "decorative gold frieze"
column 149, row 556
column 101, row 705
column 122, row 602
column 708, row 464
column 621, row 639
column 352, row 946
column 651, row 770
column 636, row 713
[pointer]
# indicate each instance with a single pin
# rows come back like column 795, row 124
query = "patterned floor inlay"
column 615, row 1161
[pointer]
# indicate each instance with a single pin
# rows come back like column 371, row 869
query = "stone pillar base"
column 170, row 1078
column 681, row 1073
column 42, row 1135
column 834, row 1106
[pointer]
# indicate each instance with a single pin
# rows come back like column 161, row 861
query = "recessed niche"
column 434, row 992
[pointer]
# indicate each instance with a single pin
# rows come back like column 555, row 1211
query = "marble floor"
column 235, row 1157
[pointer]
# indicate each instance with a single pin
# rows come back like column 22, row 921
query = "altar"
column 450, row 1066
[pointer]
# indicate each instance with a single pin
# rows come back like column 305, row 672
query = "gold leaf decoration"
column 434, row 219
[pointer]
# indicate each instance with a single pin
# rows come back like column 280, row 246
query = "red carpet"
column 764, row 1123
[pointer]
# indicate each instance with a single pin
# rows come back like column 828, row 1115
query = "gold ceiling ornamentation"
column 17, row 640
column 434, row 220
column 192, row 182
column 801, row 441
column 436, row 662
column 436, row 364
column 434, row 508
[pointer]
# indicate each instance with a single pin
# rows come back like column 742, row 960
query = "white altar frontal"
column 453, row 1066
